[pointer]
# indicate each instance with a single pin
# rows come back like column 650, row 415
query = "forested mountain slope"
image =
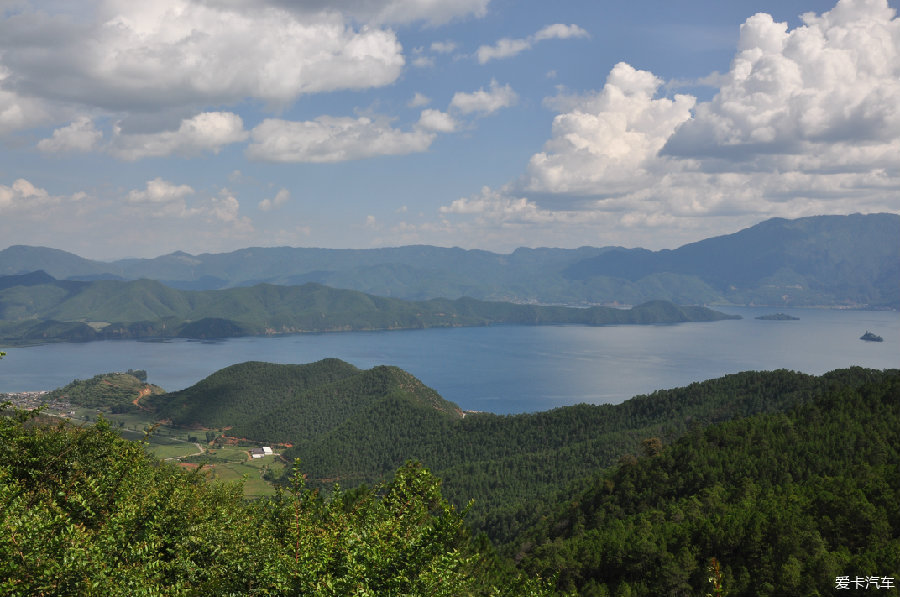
column 772, row 483
column 119, row 392
column 36, row 307
column 824, row 259
column 787, row 503
column 357, row 426
column 298, row 403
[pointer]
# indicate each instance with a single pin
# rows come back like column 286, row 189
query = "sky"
column 135, row 129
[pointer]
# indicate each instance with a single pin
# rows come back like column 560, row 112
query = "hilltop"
column 299, row 403
column 118, row 392
column 822, row 260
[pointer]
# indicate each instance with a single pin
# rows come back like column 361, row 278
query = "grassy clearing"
column 165, row 451
column 225, row 464
column 251, row 471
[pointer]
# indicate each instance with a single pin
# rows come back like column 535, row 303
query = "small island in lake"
column 870, row 337
column 778, row 317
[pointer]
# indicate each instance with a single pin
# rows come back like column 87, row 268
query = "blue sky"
column 212, row 125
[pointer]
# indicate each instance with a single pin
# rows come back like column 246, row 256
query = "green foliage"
column 295, row 403
column 760, row 483
column 784, row 502
column 512, row 466
column 85, row 512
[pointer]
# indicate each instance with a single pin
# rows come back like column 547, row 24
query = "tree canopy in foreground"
column 85, row 512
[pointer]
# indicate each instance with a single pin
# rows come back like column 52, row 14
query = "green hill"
column 39, row 308
column 119, row 392
column 298, row 403
column 512, row 465
column 774, row 483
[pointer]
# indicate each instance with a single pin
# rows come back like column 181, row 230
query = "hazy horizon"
column 112, row 259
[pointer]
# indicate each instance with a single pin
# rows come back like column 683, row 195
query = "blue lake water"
column 505, row 369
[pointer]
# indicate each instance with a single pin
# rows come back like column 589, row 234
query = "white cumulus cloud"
column 280, row 198
column 80, row 135
column 806, row 121
column 560, row 31
column 485, row 102
column 163, row 199
column 610, row 140
column 503, row 48
column 22, row 196
column 508, row 47
column 418, row 100
column 435, row 120
column 443, row 47
column 159, row 192
column 151, row 55
column 209, row 131
column 225, row 208
column 333, row 139
column 828, row 90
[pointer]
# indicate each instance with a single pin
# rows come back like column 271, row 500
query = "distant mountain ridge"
column 851, row 260
column 858, row 260
column 37, row 308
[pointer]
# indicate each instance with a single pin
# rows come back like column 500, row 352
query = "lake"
column 505, row 369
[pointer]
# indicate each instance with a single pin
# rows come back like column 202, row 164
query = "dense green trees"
column 359, row 426
column 296, row 403
column 84, row 512
column 785, row 502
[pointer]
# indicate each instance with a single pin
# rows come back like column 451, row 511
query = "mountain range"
column 36, row 307
column 851, row 260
